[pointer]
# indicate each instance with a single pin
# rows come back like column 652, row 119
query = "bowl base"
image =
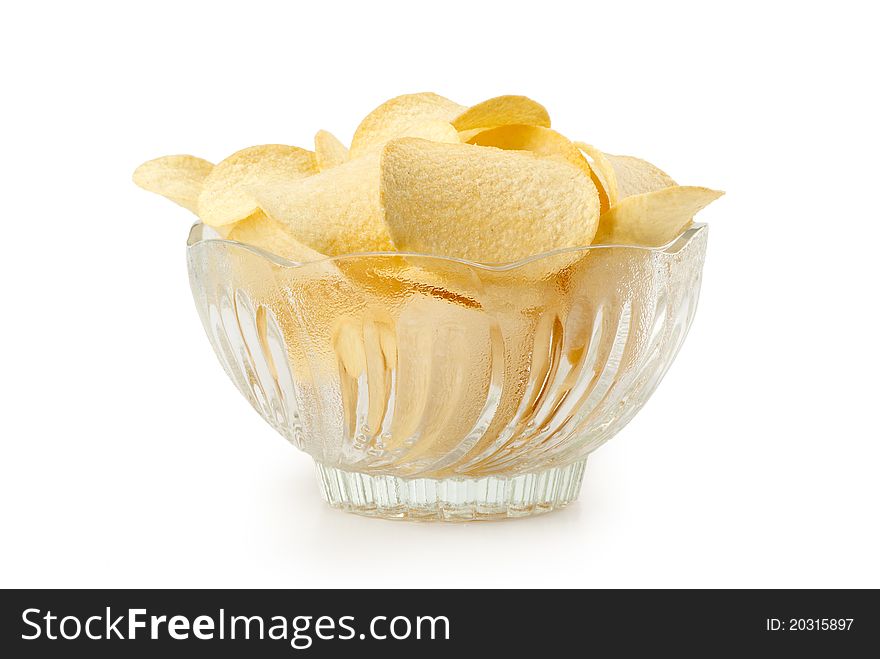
column 451, row 499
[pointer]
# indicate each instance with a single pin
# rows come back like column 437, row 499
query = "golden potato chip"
column 334, row 212
column 636, row 176
column 603, row 168
column 178, row 178
column 365, row 346
column 436, row 130
column 544, row 142
column 225, row 197
column 329, row 151
column 502, row 111
column 624, row 176
column 466, row 136
column 483, row 204
column 405, row 116
column 653, row 218
column 348, row 335
column 263, row 232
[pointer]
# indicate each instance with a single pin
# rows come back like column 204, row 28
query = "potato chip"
column 349, row 347
column 483, row 204
column 466, row 136
column 653, row 218
column 225, row 197
column 624, row 176
column 544, row 142
column 178, row 178
column 636, row 176
column 405, row 116
column 436, row 130
column 334, row 212
column 263, row 232
column 502, row 111
column 329, row 151
column 366, row 350
column 603, row 168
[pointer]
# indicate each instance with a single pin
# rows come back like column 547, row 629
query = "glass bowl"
column 434, row 388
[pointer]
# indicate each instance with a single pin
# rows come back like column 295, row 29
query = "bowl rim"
column 197, row 237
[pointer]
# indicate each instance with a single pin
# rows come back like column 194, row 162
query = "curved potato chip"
column 636, row 176
column 544, row 142
column 263, row 232
column 225, row 197
column 502, row 111
column 467, row 135
column 483, row 204
column 178, row 178
column 334, row 212
column 603, row 168
column 435, row 130
column 625, row 176
column 329, row 151
column 399, row 117
column 653, row 218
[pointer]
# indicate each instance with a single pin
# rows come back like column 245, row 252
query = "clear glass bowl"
column 434, row 388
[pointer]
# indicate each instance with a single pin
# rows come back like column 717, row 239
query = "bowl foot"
column 451, row 499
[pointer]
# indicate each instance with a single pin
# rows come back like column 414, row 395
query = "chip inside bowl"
column 653, row 218
column 623, row 176
column 483, row 204
column 425, row 115
column 541, row 141
column 178, row 178
column 329, row 151
column 502, row 111
column 267, row 234
column 334, row 212
column 226, row 193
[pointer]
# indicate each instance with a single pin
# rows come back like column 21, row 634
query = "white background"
column 128, row 459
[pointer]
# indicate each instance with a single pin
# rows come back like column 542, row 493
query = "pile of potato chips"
column 491, row 183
